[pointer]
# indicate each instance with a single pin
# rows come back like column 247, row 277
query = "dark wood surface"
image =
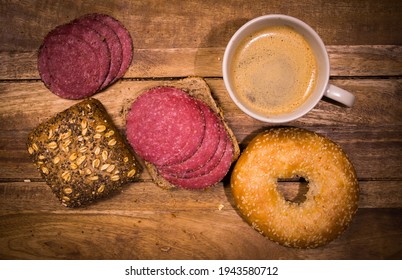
column 175, row 39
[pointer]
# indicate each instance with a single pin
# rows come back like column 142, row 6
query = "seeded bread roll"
column 81, row 154
column 330, row 203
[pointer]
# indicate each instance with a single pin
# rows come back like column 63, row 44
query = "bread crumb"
column 165, row 249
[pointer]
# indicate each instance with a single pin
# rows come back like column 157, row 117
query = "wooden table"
column 175, row 39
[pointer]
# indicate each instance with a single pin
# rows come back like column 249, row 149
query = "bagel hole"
column 293, row 189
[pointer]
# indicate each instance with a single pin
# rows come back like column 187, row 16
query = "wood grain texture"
column 370, row 132
column 346, row 61
column 142, row 221
column 146, row 196
column 198, row 24
column 374, row 234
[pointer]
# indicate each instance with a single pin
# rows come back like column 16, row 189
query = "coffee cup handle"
column 340, row 95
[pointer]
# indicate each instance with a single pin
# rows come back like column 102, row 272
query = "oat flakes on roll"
column 81, row 154
column 283, row 153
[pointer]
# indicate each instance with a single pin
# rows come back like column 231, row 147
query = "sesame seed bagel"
column 282, row 153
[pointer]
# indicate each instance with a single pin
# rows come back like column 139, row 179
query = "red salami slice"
column 206, row 180
column 112, row 41
column 80, row 58
column 68, row 59
column 94, row 39
column 165, row 126
column 125, row 40
column 207, row 149
column 69, row 67
column 208, row 166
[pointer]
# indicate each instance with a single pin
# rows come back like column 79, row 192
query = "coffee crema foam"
column 274, row 71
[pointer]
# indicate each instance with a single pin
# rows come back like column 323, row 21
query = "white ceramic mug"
column 322, row 87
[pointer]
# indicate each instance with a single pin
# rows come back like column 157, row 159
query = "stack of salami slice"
column 84, row 56
column 181, row 136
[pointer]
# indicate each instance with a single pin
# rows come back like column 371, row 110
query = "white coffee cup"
column 322, row 86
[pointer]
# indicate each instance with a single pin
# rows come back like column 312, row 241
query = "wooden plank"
column 205, row 23
column 20, row 103
column 357, row 60
column 370, row 132
column 346, row 61
column 374, row 151
column 373, row 234
column 146, row 196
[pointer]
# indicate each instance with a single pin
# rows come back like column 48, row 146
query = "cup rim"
column 279, row 118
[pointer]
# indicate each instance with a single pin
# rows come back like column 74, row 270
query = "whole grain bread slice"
column 81, row 154
column 199, row 89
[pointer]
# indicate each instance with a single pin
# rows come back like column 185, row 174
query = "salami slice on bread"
column 180, row 133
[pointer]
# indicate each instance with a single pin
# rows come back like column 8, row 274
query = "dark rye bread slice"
column 199, row 89
column 81, row 154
